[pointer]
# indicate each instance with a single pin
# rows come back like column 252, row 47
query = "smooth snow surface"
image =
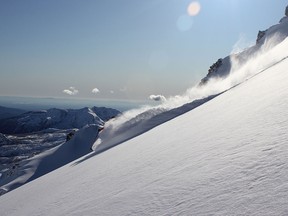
column 226, row 157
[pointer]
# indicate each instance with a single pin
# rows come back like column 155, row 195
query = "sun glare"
column 194, row 8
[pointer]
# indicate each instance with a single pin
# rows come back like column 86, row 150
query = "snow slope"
column 226, row 157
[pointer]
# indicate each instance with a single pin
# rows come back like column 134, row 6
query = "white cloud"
column 157, row 97
column 111, row 91
column 71, row 91
column 95, row 90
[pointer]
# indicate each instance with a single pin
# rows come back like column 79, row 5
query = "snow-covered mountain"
column 223, row 155
column 56, row 118
column 32, row 133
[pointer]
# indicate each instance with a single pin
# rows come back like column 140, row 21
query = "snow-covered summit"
column 56, row 118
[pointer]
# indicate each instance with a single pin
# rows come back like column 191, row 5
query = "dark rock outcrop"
column 215, row 66
column 260, row 35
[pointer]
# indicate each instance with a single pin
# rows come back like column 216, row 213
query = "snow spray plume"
column 252, row 61
column 243, row 66
column 241, row 44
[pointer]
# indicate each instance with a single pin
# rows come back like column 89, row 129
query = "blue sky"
column 127, row 49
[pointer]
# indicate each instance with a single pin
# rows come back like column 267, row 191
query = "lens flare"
column 194, row 8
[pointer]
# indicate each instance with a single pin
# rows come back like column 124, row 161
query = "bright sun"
column 194, row 8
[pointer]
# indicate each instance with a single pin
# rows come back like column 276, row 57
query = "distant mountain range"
column 27, row 122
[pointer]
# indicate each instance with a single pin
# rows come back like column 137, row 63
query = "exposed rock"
column 260, row 35
column 212, row 70
column 215, row 66
column 70, row 135
column 286, row 11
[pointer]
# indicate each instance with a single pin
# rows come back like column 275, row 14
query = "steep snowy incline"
column 226, row 157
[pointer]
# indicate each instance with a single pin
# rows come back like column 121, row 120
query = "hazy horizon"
column 38, row 103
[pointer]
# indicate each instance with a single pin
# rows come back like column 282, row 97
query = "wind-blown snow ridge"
column 235, row 69
column 144, row 122
column 136, row 122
